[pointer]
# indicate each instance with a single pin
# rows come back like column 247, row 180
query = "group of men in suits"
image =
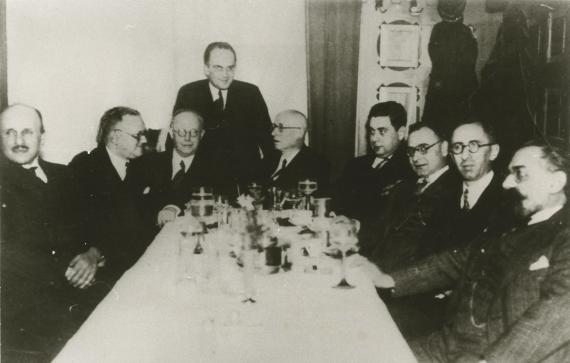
column 441, row 230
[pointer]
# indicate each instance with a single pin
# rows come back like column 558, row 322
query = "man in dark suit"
column 171, row 175
column 40, row 236
column 237, row 123
column 367, row 179
column 294, row 161
column 512, row 292
column 113, row 194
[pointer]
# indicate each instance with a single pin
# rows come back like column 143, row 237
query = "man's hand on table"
column 378, row 278
column 82, row 269
column 167, row 214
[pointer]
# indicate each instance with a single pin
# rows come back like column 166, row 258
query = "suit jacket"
column 512, row 300
column 307, row 164
column 119, row 225
column 235, row 136
column 360, row 191
column 406, row 220
column 40, row 234
column 157, row 170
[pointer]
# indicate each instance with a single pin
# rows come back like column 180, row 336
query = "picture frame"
column 405, row 95
column 399, row 45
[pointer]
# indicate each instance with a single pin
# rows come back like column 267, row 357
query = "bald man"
column 40, row 235
column 293, row 161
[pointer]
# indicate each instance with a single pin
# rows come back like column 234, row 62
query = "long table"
column 153, row 316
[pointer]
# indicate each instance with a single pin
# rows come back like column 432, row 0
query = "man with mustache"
column 41, row 234
column 512, row 292
column 367, row 179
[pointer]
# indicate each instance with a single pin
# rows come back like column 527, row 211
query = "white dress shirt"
column 378, row 160
column 288, row 155
column 434, row 176
column 476, row 188
column 119, row 163
column 38, row 171
column 544, row 214
column 214, row 91
column 176, row 159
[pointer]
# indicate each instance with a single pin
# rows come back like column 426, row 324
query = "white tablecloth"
column 153, row 316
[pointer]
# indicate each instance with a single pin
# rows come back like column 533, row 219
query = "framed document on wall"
column 399, row 45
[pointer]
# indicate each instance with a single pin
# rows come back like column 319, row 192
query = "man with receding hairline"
column 41, row 234
column 236, row 120
column 294, row 161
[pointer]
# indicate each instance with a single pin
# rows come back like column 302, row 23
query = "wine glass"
column 307, row 187
column 343, row 237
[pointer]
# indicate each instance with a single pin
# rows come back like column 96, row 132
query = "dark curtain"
column 333, row 36
column 3, row 57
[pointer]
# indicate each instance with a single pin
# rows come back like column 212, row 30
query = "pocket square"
column 539, row 264
column 146, row 190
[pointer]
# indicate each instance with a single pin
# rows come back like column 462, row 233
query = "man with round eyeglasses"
column 171, row 175
column 294, row 161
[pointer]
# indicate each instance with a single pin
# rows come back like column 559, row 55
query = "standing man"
column 113, row 193
column 40, row 236
column 367, row 179
column 236, row 120
column 173, row 174
column 512, row 292
column 294, row 161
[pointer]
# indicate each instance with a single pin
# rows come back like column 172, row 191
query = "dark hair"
column 555, row 152
column 217, row 45
column 488, row 129
column 395, row 111
column 428, row 125
column 111, row 118
column 178, row 111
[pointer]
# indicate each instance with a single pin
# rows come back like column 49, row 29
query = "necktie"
column 179, row 175
column 32, row 171
column 278, row 172
column 466, row 205
column 420, row 185
column 219, row 103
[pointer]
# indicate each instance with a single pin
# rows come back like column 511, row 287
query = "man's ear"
column 206, row 70
column 444, row 148
column 495, row 149
column 402, row 133
column 558, row 181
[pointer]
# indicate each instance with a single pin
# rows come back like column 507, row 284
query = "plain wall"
column 74, row 59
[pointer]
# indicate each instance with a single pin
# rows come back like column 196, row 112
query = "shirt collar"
column 477, row 187
column 379, row 160
column 214, row 92
column 39, row 171
column 176, row 159
column 434, row 176
column 288, row 155
column 544, row 214
column 119, row 163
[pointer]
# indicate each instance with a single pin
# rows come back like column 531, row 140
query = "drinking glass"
column 343, row 237
column 307, row 187
column 201, row 207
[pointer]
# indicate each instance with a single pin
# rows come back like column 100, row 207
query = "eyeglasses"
column 473, row 146
column 281, row 127
column 137, row 136
column 183, row 133
column 23, row 133
column 421, row 148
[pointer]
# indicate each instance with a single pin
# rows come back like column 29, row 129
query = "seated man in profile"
column 512, row 291
column 366, row 180
column 40, row 236
column 113, row 193
column 171, row 175
column 293, row 161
